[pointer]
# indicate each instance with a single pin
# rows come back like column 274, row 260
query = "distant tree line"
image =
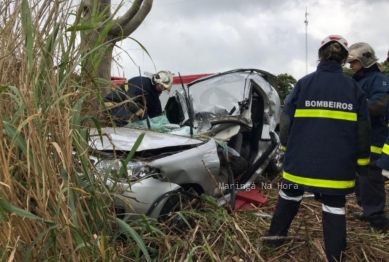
column 286, row 82
column 285, row 85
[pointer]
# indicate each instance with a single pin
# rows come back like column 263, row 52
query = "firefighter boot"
column 381, row 228
column 285, row 211
column 359, row 215
column 334, row 233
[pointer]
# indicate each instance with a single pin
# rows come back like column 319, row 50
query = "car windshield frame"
column 219, row 96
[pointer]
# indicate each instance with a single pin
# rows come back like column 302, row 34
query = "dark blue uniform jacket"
column 139, row 87
column 139, row 94
column 383, row 161
column 328, row 132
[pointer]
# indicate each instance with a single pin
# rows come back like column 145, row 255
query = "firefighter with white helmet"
column 139, row 98
column 164, row 78
column 370, row 190
column 364, row 53
column 319, row 158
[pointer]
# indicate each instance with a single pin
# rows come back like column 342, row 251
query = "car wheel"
column 274, row 167
column 171, row 213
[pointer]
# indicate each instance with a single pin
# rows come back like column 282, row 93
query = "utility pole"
column 306, row 39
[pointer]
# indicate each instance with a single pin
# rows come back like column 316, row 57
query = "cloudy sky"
column 208, row 36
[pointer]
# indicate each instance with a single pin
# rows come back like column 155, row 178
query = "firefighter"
column 325, row 132
column 138, row 99
column 384, row 159
column 370, row 190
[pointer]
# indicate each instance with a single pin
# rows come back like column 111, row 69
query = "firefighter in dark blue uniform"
column 370, row 190
column 138, row 99
column 383, row 162
column 325, row 131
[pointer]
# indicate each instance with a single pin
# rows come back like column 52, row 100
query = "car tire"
column 177, row 201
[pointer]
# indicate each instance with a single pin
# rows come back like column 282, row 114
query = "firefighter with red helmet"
column 325, row 131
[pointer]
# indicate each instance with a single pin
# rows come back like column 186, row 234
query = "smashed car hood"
column 123, row 139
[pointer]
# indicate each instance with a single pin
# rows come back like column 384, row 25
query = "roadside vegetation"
column 47, row 211
column 52, row 209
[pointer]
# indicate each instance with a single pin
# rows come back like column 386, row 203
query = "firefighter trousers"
column 370, row 194
column 333, row 220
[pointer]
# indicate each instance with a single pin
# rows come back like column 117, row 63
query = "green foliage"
column 285, row 85
column 386, row 68
column 347, row 71
column 385, row 65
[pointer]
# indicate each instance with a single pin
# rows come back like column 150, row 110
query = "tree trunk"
column 98, row 44
column 97, row 65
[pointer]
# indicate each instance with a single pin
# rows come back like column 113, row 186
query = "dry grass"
column 47, row 211
column 218, row 236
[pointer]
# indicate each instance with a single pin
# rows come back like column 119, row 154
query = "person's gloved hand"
column 139, row 113
column 385, row 173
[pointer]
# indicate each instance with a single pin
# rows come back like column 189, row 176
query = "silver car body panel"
column 123, row 139
column 227, row 133
column 140, row 196
column 192, row 166
column 272, row 110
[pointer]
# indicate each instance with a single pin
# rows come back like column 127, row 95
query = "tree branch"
column 132, row 19
column 130, row 27
column 126, row 18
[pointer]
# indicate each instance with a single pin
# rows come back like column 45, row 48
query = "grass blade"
column 28, row 32
column 130, row 232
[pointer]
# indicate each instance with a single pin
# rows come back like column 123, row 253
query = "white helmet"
column 165, row 78
column 335, row 38
column 364, row 53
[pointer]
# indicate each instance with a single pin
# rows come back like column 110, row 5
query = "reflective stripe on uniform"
column 363, row 161
column 376, row 149
column 286, row 197
column 325, row 183
column 333, row 210
column 385, row 149
column 283, row 148
column 324, row 113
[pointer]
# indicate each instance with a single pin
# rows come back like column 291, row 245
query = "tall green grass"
column 48, row 211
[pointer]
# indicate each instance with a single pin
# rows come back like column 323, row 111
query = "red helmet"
column 335, row 38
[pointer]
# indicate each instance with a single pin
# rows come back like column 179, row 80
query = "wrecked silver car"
column 217, row 136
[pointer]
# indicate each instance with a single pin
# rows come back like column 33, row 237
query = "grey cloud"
column 203, row 36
